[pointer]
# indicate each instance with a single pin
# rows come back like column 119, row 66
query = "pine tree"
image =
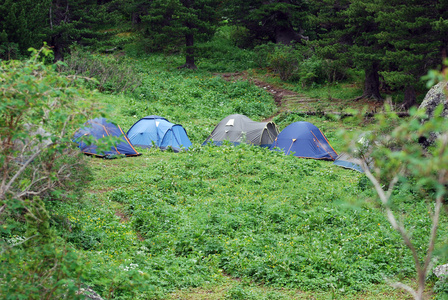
column 351, row 36
column 413, row 43
column 21, row 23
column 168, row 22
column 71, row 21
column 60, row 23
column 278, row 21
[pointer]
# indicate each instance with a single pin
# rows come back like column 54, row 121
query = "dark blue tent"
column 305, row 140
column 158, row 131
column 99, row 128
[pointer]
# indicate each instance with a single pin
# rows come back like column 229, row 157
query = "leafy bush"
column 39, row 112
column 315, row 70
column 112, row 74
column 296, row 63
column 240, row 36
column 441, row 288
column 405, row 169
column 285, row 61
column 222, row 54
column 39, row 265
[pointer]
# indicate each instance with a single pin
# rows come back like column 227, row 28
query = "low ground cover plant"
column 164, row 221
column 243, row 211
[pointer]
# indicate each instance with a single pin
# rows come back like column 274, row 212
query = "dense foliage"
column 39, row 112
column 344, row 34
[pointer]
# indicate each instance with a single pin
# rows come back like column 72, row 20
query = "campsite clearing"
column 273, row 224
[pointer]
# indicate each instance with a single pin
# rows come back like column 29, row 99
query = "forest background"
column 175, row 225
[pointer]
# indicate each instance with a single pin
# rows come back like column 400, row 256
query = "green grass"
column 242, row 222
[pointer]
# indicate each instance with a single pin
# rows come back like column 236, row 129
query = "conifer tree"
column 278, row 21
column 72, row 21
column 413, row 41
column 350, row 34
column 28, row 23
column 168, row 22
column 21, row 23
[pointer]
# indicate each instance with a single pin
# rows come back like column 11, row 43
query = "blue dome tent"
column 304, row 140
column 158, row 131
column 99, row 128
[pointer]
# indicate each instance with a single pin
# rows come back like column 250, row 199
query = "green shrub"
column 222, row 54
column 40, row 110
column 296, row 63
column 262, row 54
column 315, row 70
column 38, row 265
column 112, row 74
column 441, row 288
column 240, row 37
column 285, row 61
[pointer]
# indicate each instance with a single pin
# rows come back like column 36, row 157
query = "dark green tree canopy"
column 175, row 21
column 279, row 21
column 394, row 42
column 412, row 43
column 27, row 23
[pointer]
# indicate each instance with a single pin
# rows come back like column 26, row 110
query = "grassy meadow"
column 232, row 222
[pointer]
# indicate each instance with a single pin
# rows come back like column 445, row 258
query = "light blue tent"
column 158, row 131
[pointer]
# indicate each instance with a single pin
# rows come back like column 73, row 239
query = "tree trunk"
column 58, row 15
column 372, row 83
column 189, row 56
column 287, row 35
column 135, row 18
column 444, row 67
column 57, row 49
column 410, row 99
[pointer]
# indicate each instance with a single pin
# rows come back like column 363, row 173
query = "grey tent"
column 240, row 129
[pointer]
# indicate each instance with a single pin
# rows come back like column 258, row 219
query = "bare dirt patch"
column 287, row 100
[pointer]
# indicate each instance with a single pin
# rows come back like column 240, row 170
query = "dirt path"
column 283, row 98
column 278, row 93
column 287, row 100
